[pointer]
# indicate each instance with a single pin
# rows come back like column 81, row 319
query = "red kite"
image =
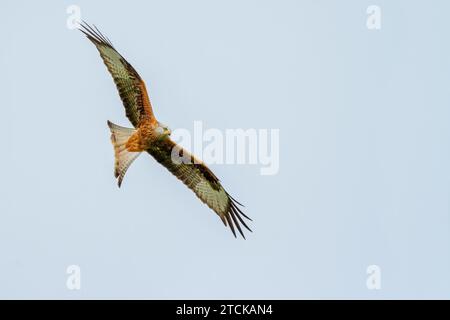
column 153, row 137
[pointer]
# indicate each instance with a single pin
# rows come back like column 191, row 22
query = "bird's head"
column 162, row 130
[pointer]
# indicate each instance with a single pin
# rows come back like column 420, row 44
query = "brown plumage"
column 151, row 136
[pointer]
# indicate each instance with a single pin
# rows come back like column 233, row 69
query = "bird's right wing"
column 199, row 178
column 131, row 87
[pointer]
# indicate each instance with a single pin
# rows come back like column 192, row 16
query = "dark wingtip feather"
column 229, row 196
column 233, row 203
column 94, row 34
column 234, row 217
column 236, row 213
column 230, row 223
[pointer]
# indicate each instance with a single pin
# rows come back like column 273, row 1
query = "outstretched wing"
column 198, row 178
column 131, row 87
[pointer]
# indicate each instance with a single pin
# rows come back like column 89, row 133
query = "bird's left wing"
column 199, row 178
column 131, row 87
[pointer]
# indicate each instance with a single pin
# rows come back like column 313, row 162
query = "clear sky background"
column 364, row 150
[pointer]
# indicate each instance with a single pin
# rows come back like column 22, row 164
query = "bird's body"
column 153, row 137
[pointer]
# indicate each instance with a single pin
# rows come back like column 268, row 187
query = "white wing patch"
column 215, row 199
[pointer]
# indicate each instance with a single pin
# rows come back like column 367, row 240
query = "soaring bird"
column 153, row 137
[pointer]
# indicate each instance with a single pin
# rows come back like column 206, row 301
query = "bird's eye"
column 160, row 130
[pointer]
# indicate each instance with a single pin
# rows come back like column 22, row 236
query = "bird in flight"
column 151, row 136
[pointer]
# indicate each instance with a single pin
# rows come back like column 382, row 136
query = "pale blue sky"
column 364, row 150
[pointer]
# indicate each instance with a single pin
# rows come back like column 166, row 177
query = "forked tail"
column 123, row 157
